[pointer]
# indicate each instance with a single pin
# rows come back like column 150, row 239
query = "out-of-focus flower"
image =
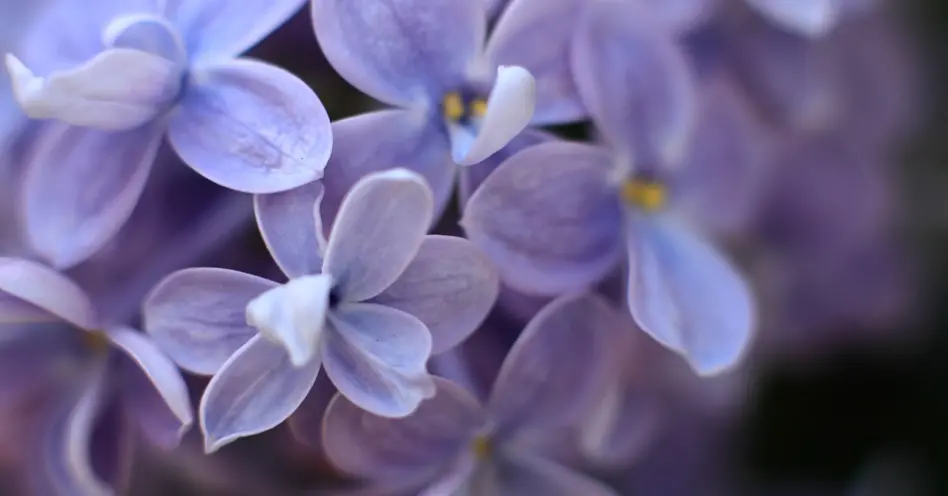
column 813, row 18
column 116, row 76
column 452, row 443
column 370, row 304
column 557, row 216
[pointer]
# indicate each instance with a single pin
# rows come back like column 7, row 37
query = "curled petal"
column 633, row 80
column 450, row 286
column 28, row 288
column 555, row 371
column 401, row 51
column 536, row 35
column 812, row 18
column 81, row 186
column 292, row 227
column 119, row 89
column 549, row 218
column 251, row 127
column 198, row 316
column 253, row 392
column 160, row 370
column 379, row 448
column 687, row 296
column 222, row 29
column 147, row 33
column 387, row 139
column 293, row 315
column 376, row 355
column 509, row 110
column 381, row 225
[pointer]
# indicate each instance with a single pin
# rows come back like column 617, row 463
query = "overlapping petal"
column 509, row 110
column 531, row 474
column 381, row 225
column 254, row 391
column 81, row 185
column 549, row 218
column 293, row 315
column 687, row 296
column 252, row 127
column 27, row 287
column 198, row 316
column 401, row 51
column 450, row 286
column 472, row 176
column 291, row 224
column 376, row 355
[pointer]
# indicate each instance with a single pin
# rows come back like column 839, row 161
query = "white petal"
column 808, row 17
column 509, row 110
column 293, row 315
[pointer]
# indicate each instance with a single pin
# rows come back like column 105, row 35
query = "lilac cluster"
column 607, row 262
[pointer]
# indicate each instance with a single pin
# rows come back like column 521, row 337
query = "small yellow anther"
column 478, row 108
column 481, row 448
column 453, row 106
column 647, row 195
column 96, row 341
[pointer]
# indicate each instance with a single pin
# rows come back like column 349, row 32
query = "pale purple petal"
column 254, row 391
column 306, row 423
column 376, row 356
column 687, row 296
column 222, row 29
column 401, row 51
column 420, row 445
column 148, row 33
column 144, row 406
column 198, row 316
column 381, row 225
column 252, row 127
column 450, row 286
column 549, row 218
column 383, row 140
column 680, row 16
column 623, row 425
column 521, row 473
column 633, row 80
column 457, row 479
column 81, row 185
column 27, row 287
column 161, row 371
column 292, row 227
column 509, row 110
column 472, row 176
column 555, row 371
column 812, row 18
column 536, row 35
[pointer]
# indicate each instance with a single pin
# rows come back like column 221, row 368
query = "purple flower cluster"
column 607, row 263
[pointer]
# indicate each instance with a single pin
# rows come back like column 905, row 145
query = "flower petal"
column 198, row 316
column 306, row 423
column 223, row 29
column 381, row 225
column 530, row 474
column 27, row 288
column 401, row 51
column 471, row 177
column 811, row 18
column 293, row 315
column 536, row 36
column 376, row 356
column 148, row 33
column 81, row 185
column 687, row 296
column 252, row 127
column 450, row 286
column 554, row 373
column 254, row 391
column 292, row 228
column 633, row 80
column 118, row 89
column 160, row 370
column 509, row 110
column 549, row 218
column 379, row 448
column 387, row 139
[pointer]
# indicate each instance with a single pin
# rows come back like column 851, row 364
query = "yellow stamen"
column 96, row 341
column 453, row 106
column 478, row 108
column 645, row 194
column 481, row 448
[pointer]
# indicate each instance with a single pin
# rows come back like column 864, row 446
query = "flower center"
column 96, row 341
column 647, row 194
column 481, row 447
column 462, row 109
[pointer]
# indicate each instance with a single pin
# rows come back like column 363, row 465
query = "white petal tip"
column 22, row 79
column 510, row 109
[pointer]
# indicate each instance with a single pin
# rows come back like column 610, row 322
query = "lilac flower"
column 57, row 336
column 557, row 216
column 116, row 76
column 370, row 304
column 454, row 445
column 812, row 18
column 458, row 101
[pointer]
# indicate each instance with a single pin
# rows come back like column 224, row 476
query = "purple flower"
column 116, row 76
column 453, row 444
column 557, row 216
column 59, row 339
column 458, row 99
column 370, row 304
